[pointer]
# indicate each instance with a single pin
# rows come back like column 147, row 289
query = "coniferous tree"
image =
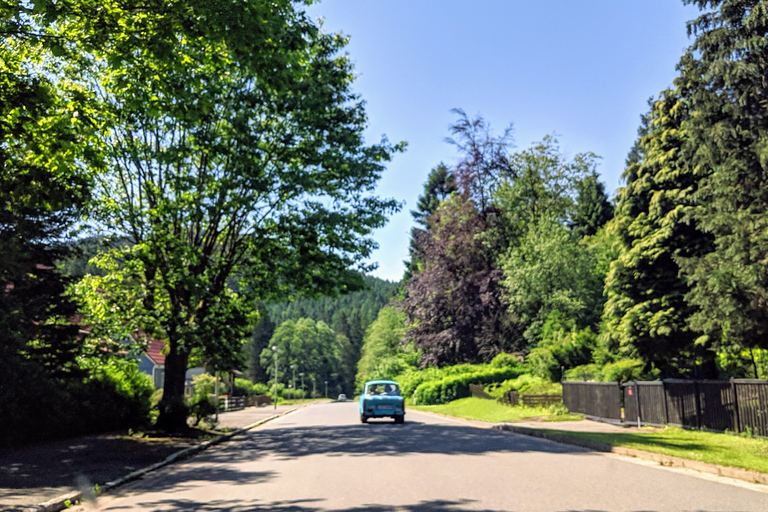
column 439, row 186
column 592, row 209
column 646, row 312
column 724, row 79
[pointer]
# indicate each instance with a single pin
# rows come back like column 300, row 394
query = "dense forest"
column 346, row 317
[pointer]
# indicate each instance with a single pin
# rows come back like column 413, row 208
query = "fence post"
column 736, row 419
column 637, row 401
column 666, row 407
column 697, row 403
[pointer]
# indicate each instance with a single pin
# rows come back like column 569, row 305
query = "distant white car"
column 342, row 398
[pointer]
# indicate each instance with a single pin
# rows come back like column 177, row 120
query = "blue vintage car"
column 382, row 399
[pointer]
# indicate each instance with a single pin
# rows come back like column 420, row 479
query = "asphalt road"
column 322, row 458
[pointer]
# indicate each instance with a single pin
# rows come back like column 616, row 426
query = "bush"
column 244, row 387
column 504, row 360
column 623, row 370
column 453, row 387
column 260, row 389
column 293, row 394
column 205, row 384
column 100, row 397
column 203, row 408
column 525, row 384
column 412, row 379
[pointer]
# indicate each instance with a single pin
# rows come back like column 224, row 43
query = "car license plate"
column 385, row 408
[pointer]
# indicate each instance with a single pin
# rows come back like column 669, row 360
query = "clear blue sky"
column 581, row 69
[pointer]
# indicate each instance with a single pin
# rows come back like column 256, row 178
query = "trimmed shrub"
column 525, row 384
column 292, row 394
column 454, row 387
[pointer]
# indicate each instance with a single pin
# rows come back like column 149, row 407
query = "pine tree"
column 439, row 186
column 724, row 77
column 646, row 312
column 592, row 209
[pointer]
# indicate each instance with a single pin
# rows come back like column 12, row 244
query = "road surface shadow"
column 316, row 506
column 385, row 440
column 37, row 473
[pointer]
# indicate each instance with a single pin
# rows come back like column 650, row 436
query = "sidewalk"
column 38, row 473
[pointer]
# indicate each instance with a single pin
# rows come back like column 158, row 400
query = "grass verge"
column 722, row 449
column 489, row 410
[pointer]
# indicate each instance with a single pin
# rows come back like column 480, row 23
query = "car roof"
column 382, row 382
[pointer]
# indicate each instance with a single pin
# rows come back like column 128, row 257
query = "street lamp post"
column 326, row 389
column 302, row 381
column 275, row 349
column 314, row 388
column 293, row 367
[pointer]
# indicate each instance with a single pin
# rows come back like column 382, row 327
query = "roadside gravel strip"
column 67, row 500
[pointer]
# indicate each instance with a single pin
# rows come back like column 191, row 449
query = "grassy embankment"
column 714, row 448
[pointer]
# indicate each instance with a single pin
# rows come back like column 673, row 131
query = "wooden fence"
column 231, row 403
column 738, row 405
column 513, row 398
column 596, row 400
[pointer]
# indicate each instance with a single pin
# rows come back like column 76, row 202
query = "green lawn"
column 722, row 449
column 489, row 410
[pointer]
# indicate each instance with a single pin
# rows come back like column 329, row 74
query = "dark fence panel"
column 681, row 403
column 738, row 405
column 717, row 405
column 752, row 405
column 652, row 406
column 596, row 399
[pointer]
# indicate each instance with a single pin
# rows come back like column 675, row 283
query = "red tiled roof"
column 154, row 351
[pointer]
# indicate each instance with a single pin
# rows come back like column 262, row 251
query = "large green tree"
column 549, row 270
column 646, row 312
column 593, row 209
column 44, row 140
column 723, row 77
column 384, row 353
column 541, row 183
column 236, row 168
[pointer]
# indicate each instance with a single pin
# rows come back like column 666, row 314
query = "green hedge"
column 454, row 387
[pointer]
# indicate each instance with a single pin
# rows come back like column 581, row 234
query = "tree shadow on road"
column 384, row 439
column 314, row 505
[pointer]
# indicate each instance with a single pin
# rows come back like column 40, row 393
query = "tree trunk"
column 173, row 409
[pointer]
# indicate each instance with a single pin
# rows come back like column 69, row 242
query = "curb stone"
column 61, row 502
column 664, row 460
